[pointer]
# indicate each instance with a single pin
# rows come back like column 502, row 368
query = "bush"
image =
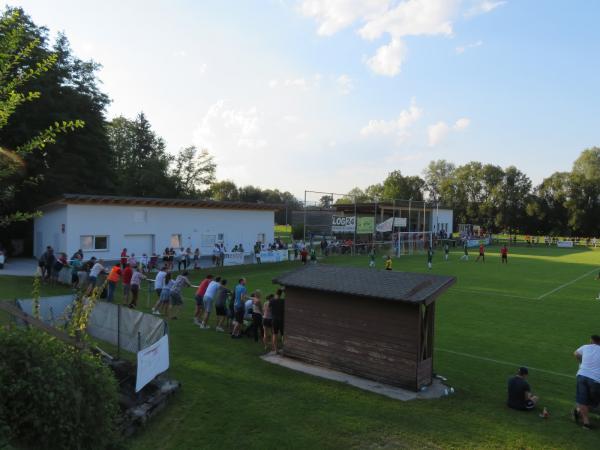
column 53, row 396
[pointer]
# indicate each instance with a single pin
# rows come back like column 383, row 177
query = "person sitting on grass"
column 519, row 392
column 588, row 380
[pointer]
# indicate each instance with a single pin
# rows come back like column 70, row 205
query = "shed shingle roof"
column 382, row 284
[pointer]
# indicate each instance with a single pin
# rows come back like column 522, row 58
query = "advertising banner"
column 343, row 224
column 233, row 258
column 152, row 361
column 477, row 242
column 271, row 256
column 386, row 225
column 565, row 244
column 365, row 225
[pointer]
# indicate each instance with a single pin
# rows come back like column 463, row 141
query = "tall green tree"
column 23, row 60
column 398, row 186
column 140, row 159
column 193, row 172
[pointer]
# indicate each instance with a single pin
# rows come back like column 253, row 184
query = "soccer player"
column 429, row 257
column 504, row 253
column 481, row 253
column 466, row 250
column 372, row 258
column 446, row 251
column 388, row 262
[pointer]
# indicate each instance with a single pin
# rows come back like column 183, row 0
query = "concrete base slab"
column 436, row 390
column 19, row 267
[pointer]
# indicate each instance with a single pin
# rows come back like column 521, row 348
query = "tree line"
column 51, row 97
column 504, row 199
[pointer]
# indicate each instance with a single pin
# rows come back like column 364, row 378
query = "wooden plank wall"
column 371, row 338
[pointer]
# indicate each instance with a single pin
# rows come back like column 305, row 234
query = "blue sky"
column 328, row 95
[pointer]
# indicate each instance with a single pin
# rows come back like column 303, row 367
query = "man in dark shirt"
column 519, row 392
column 277, row 312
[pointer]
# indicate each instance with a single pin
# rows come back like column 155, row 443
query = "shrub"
column 53, row 396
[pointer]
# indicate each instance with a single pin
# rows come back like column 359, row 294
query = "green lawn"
column 494, row 319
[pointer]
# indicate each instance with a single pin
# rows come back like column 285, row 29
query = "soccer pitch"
column 534, row 311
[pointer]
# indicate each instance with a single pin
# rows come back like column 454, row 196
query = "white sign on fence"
column 386, row 225
column 233, row 259
column 343, row 224
column 565, row 244
column 271, row 256
column 152, row 361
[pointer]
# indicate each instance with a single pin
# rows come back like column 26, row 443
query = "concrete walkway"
column 20, row 267
column 436, row 390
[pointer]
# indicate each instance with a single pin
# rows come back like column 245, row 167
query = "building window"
column 220, row 237
column 139, row 216
column 93, row 243
column 208, row 240
column 175, row 241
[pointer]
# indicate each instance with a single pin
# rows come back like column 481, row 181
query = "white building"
column 103, row 225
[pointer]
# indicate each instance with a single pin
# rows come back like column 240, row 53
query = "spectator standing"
column 76, row 266
column 159, row 284
column 221, row 304
column 257, row 316
column 267, row 322
column 176, row 299
column 197, row 259
column 136, row 281
column 132, row 260
column 238, row 308
column 277, row 313
column 199, row 297
column 588, row 380
column 113, row 278
column 95, row 272
column 127, row 274
column 209, row 297
column 123, row 258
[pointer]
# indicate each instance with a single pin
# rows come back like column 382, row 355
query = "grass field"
column 535, row 311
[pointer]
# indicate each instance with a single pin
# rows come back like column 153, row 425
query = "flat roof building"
column 103, row 225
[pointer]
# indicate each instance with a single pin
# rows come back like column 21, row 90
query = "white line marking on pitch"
column 505, row 363
column 567, row 284
column 474, row 291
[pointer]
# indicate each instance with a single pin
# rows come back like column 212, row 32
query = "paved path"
column 20, row 267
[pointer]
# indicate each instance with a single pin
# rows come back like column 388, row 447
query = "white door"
column 139, row 244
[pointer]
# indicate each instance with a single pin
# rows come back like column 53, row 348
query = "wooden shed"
column 374, row 324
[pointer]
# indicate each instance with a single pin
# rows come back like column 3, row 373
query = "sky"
column 326, row 95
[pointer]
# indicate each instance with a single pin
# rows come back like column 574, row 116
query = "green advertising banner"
column 365, row 225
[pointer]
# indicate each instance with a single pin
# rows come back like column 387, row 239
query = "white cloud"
column 225, row 130
column 406, row 18
column 273, row 83
column 462, row 124
column 437, row 132
column 388, row 58
column 483, row 7
column 463, row 48
column 397, row 126
column 345, row 84
column 335, row 15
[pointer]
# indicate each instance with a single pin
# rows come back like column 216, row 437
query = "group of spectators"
column 237, row 311
column 587, row 396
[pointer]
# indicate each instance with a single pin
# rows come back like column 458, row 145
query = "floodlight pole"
column 409, row 208
column 354, row 240
column 304, row 224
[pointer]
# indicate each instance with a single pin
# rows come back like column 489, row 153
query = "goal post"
column 412, row 242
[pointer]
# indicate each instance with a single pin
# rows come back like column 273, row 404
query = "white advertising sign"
column 233, row 259
column 271, row 256
column 565, row 244
column 386, row 225
column 152, row 361
column 343, row 224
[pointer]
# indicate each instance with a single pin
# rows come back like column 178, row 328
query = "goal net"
column 409, row 243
